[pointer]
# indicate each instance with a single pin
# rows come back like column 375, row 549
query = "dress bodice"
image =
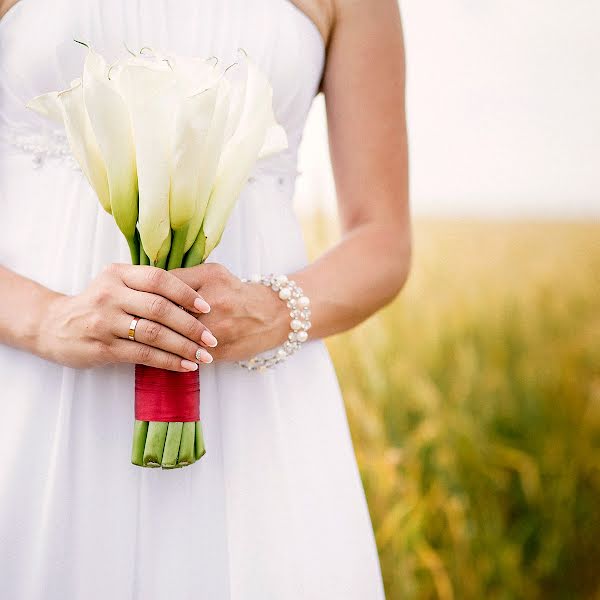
column 38, row 54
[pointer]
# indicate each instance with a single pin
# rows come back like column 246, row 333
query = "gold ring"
column 132, row 327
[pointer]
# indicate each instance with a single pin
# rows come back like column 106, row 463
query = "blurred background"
column 475, row 413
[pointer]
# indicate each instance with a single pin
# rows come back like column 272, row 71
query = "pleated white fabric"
column 275, row 509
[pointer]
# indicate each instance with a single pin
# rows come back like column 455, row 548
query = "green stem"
column 134, row 248
column 140, row 429
column 177, row 248
column 144, row 260
column 155, row 443
column 163, row 253
column 169, row 458
column 199, row 448
column 195, row 254
column 186, row 449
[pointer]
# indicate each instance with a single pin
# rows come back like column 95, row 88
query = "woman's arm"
column 364, row 85
column 364, row 92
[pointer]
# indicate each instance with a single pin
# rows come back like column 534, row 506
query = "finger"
column 154, row 334
column 199, row 275
column 158, row 281
column 135, row 353
column 160, row 310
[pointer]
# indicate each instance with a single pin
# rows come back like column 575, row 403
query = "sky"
column 503, row 108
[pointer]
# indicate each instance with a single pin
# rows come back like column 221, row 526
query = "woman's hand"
column 246, row 318
column 91, row 329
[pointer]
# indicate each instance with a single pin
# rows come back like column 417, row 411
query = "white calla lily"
column 109, row 117
column 242, row 152
column 80, row 134
column 150, row 93
column 83, row 141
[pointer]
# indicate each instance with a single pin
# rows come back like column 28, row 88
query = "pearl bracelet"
column 299, row 306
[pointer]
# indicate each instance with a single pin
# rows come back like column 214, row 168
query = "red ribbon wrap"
column 168, row 396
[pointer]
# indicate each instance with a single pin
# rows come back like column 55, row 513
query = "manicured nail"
column 203, row 356
column 202, row 305
column 208, row 338
column 188, row 365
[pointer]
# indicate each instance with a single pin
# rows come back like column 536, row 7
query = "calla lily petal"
column 193, row 74
column 150, row 95
column 191, row 129
column 47, row 105
column 207, row 160
column 110, row 121
column 82, row 141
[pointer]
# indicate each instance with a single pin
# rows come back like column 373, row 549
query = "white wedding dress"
column 275, row 510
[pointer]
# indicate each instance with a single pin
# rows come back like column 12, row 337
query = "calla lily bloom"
column 109, row 117
column 68, row 107
column 256, row 134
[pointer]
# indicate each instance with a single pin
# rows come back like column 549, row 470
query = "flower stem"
column 169, row 458
column 177, row 248
column 155, row 443
column 140, row 429
column 134, row 248
column 163, row 253
column 186, row 449
column 144, row 260
column 195, row 254
column 199, row 449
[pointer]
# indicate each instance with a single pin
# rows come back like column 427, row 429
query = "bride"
column 275, row 509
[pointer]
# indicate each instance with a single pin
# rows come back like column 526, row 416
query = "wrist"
column 274, row 316
column 41, row 329
column 294, row 311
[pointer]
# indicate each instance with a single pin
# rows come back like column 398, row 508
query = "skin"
column 363, row 84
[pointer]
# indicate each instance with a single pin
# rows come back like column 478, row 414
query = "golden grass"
column 474, row 406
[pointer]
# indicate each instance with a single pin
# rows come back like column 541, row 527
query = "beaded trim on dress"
column 53, row 145
column 42, row 145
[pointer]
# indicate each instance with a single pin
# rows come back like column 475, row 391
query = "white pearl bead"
column 296, row 325
column 302, row 336
column 281, row 279
column 303, row 302
column 281, row 353
column 285, row 293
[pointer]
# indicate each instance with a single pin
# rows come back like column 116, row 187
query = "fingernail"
column 203, row 356
column 202, row 305
column 188, row 365
column 208, row 338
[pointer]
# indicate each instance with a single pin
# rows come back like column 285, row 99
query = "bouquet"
column 167, row 143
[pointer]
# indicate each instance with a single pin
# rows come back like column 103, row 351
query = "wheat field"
column 474, row 407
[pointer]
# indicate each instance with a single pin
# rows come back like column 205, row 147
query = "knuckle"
column 144, row 354
column 95, row 325
column 102, row 295
column 152, row 331
column 193, row 329
column 218, row 271
column 155, row 278
column 158, row 307
column 168, row 361
column 187, row 350
column 112, row 269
